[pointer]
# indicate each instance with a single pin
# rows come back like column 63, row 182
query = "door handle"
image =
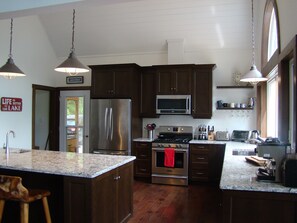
column 105, row 123
column 111, row 124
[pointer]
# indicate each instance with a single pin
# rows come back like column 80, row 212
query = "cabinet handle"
column 117, row 178
column 143, row 169
column 200, row 158
column 198, row 173
column 201, row 147
column 143, row 156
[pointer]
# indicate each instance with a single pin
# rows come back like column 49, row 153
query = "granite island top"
column 84, row 165
column 238, row 174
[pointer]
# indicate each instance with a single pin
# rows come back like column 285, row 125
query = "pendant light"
column 72, row 65
column 253, row 76
column 10, row 70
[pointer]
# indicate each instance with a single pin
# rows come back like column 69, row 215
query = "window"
column 292, row 106
column 269, row 113
column 272, row 37
column 272, row 103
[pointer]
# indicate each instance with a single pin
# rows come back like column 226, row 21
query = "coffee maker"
column 275, row 153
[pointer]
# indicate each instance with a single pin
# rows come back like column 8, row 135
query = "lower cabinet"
column 106, row 198
column 143, row 162
column 258, row 207
column 206, row 162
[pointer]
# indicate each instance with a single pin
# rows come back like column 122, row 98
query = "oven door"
column 180, row 162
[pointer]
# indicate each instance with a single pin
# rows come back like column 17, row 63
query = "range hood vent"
column 175, row 51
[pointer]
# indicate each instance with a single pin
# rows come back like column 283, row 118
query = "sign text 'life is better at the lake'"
column 11, row 104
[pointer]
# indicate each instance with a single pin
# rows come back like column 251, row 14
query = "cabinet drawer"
column 142, row 168
column 199, row 174
column 140, row 145
column 200, row 147
column 199, row 158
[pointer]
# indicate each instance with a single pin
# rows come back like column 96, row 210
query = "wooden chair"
column 12, row 189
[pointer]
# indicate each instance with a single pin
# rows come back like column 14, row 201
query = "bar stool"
column 12, row 189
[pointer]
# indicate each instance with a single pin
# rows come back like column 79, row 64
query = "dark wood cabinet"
column 115, row 81
column 148, row 92
column 143, row 162
column 107, row 198
column 206, row 162
column 250, row 206
column 202, row 91
column 174, row 79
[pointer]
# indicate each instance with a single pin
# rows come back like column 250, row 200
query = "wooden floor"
column 169, row 204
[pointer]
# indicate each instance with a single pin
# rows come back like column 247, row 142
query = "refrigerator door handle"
column 106, row 128
column 111, row 124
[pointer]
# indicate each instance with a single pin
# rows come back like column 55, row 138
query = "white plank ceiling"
column 143, row 26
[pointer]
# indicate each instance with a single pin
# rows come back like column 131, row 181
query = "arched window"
column 268, row 92
column 272, row 37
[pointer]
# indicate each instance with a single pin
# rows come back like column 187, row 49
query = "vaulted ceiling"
column 138, row 26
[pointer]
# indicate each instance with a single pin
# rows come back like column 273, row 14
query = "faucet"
column 7, row 141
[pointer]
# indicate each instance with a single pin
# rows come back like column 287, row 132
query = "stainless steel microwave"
column 173, row 104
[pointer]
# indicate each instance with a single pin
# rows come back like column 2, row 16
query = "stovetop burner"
column 173, row 134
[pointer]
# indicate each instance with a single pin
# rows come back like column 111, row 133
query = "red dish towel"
column 169, row 157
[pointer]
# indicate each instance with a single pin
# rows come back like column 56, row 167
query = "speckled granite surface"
column 61, row 163
column 237, row 174
column 143, row 140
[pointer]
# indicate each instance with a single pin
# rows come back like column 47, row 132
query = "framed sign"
column 11, row 104
column 75, row 80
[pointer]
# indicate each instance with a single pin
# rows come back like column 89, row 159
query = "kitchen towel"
column 169, row 157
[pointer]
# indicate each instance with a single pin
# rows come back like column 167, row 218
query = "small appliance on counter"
column 275, row 153
column 222, row 136
column 240, row 135
column 289, row 171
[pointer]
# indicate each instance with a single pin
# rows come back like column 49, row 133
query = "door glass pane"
column 74, row 124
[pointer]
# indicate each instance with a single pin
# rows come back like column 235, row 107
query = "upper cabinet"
column 174, row 79
column 115, row 81
column 148, row 92
column 202, row 91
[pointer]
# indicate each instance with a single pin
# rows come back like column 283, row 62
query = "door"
column 45, row 118
column 74, row 121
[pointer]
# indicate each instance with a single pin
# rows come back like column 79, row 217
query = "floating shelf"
column 225, row 87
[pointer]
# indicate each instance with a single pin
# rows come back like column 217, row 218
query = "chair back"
column 11, row 188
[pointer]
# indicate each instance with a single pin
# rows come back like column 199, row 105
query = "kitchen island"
column 247, row 200
column 84, row 187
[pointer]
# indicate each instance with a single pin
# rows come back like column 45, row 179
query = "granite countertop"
column 143, row 140
column 237, row 174
column 62, row 163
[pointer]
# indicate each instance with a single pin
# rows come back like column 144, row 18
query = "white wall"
column 33, row 54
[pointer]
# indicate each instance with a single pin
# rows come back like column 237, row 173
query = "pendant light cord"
column 253, row 35
column 10, row 46
column 73, row 23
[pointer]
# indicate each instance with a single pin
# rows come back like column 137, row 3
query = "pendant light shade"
column 72, row 65
column 10, row 70
column 253, row 76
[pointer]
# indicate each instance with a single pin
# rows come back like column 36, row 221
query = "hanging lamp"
column 253, row 76
column 72, row 65
column 10, row 70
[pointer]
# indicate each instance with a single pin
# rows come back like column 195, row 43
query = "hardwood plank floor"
column 174, row 204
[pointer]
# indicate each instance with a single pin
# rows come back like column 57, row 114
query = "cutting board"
column 256, row 160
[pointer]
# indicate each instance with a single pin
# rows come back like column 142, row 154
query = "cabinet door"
column 202, row 92
column 165, row 82
column 123, row 82
column 106, row 200
column 216, row 159
column 103, row 83
column 182, row 81
column 148, row 93
column 125, row 192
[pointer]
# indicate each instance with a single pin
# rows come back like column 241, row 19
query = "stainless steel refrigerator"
column 110, row 126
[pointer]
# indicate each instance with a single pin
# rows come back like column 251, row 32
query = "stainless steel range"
column 175, row 138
